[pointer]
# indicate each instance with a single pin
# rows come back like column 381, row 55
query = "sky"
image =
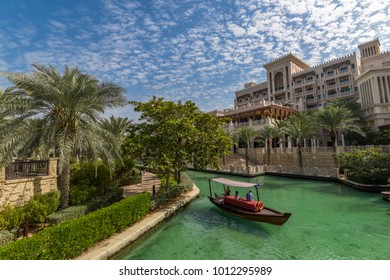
column 198, row 50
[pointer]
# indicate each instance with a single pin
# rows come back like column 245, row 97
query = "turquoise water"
column 329, row 221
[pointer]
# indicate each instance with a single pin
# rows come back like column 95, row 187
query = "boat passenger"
column 227, row 191
column 236, row 196
column 249, row 196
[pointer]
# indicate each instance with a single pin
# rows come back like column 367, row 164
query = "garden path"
column 148, row 181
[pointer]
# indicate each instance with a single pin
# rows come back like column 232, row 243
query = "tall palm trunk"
column 247, row 156
column 300, row 160
column 64, row 179
column 269, row 151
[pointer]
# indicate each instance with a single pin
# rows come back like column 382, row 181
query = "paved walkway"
column 117, row 242
column 148, row 181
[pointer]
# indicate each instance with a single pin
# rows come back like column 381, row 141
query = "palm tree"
column 298, row 127
column 247, row 134
column 58, row 114
column 118, row 126
column 336, row 119
column 268, row 133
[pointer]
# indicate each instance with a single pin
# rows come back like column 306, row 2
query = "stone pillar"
column 289, row 142
column 2, row 174
column 53, row 162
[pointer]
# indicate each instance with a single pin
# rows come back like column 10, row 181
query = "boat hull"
column 385, row 195
column 266, row 215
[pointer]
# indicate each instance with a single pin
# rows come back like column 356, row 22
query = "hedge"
column 69, row 239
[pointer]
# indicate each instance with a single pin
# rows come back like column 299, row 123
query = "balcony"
column 28, row 168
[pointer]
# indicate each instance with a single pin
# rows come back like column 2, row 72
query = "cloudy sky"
column 199, row 50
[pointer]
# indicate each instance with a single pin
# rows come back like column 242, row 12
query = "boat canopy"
column 233, row 183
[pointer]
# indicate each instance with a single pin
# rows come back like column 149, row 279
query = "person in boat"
column 236, row 196
column 227, row 191
column 249, row 196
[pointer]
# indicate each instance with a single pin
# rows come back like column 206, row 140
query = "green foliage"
column 175, row 189
column 66, row 214
column 88, row 175
column 371, row 138
column 363, row 161
column 335, row 118
column 69, row 239
column 11, row 217
column 124, row 168
column 174, row 135
column 114, row 195
column 6, row 237
column 37, row 210
column 52, row 112
column 363, row 165
column 81, row 194
column 41, row 206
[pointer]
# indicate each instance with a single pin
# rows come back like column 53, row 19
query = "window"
column 353, row 65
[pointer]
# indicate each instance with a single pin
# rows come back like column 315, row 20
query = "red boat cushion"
column 250, row 205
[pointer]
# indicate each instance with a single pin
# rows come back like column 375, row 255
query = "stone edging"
column 114, row 244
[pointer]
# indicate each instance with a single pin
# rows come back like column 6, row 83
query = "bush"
column 6, row 237
column 70, row 238
column 37, row 209
column 41, row 206
column 109, row 198
column 80, row 195
column 11, row 217
column 96, row 174
column 174, row 190
column 364, row 161
column 376, row 177
column 66, row 214
column 124, row 168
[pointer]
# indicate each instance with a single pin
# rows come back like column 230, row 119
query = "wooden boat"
column 385, row 195
column 249, row 210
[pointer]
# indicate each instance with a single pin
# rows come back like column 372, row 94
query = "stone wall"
column 19, row 191
column 311, row 157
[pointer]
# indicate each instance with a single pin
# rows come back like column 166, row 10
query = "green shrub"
column 81, row 194
column 6, row 237
column 69, row 239
column 163, row 197
column 109, row 198
column 95, row 174
column 41, row 206
column 364, row 161
column 378, row 177
column 125, row 168
column 11, row 217
column 66, row 214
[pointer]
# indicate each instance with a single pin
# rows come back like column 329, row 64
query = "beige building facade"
column 293, row 85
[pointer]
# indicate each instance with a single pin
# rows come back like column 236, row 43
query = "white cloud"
column 200, row 50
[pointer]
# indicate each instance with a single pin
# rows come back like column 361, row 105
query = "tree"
column 336, row 119
column 116, row 125
column 54, row 113
column 246, row 135
column 298, row 127
column 175, row 135
column 268, row 133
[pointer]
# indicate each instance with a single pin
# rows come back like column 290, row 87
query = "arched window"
column 279, row 81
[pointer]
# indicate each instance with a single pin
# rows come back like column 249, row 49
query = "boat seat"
column 249, row 205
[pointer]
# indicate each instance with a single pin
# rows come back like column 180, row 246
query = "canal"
column 329, row 221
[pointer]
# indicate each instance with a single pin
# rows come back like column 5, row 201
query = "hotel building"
column 292, row 85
